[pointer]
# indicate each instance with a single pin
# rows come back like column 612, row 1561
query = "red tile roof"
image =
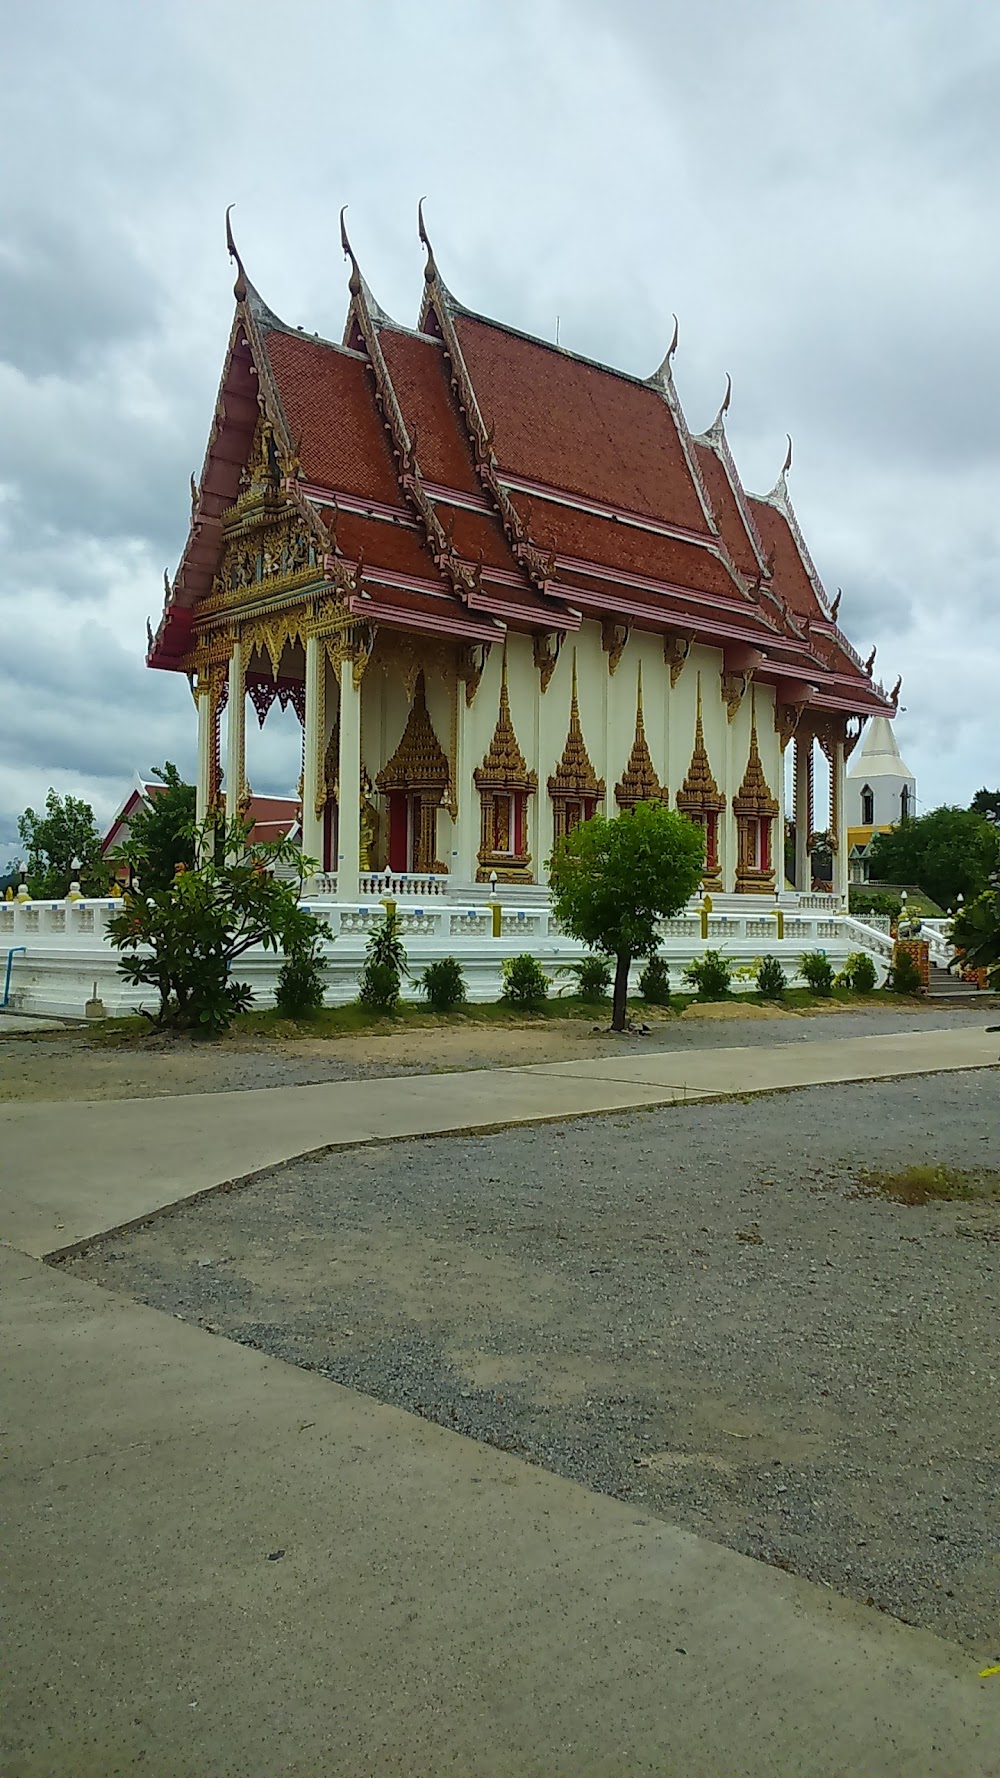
column 726, row 509
column 571, row 424
column 790, row 578
column 558, row 423
column 326, row 394
column 420, row 377
column 618, row 545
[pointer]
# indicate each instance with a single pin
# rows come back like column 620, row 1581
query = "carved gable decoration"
column 419, row 762
column 640, row 783
column 267, row 547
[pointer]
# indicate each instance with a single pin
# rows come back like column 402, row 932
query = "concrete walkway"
column 214, row 1563
column 72, row 1171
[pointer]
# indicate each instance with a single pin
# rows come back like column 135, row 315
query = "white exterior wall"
column 886, row 791
column 607, row 704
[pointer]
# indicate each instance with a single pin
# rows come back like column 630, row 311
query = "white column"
column 203, row 703
column 348, row 824
column 466, row 826
column 727, row 820
column 841, row 864
column 803, row 755
column 314, row 745
column 236, row 733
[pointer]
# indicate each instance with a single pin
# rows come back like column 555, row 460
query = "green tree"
column 946, row 853
column 612, row 881
column 65, row 832
column 987, row 802
column 161, row 833
column 185, row 937
column 976, row 933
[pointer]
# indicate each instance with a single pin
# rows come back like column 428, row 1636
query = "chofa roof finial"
column 835, row 607
column 354, row 283
column 430, row 269
column 671, row 349
column 240, row 287
column 894, row 694
column 787, row 464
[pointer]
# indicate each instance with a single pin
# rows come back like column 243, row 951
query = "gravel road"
column 76, row 1066
column 691, row 1309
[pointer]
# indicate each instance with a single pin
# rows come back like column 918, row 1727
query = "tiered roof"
column 472, row 479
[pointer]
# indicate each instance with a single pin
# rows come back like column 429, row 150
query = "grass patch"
column 928, row 1185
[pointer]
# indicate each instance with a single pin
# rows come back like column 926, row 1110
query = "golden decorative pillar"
column 640, row 783
column 504, row 783
column 415, row 780
column 756, row 812
column 574, row 788
column 700, row 799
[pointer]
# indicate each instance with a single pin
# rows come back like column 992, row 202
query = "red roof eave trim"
column 374, row 609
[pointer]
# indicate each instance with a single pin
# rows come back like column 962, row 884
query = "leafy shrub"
column 818, row 972
column 299, row 993
column 593, row 977
column 859, row 973
column 524, row 981
column 770, row 978
column 654, row 982
column 184, row 939
column 444, row 984
column 711, row 975
column 904, row 976
column 385, row 945
column 379, row 987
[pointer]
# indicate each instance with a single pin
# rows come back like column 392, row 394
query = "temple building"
column 503, row 587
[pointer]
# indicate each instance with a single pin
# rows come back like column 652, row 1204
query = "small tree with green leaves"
column 443, row 984
column 654, row 982
column 711, row 974
column 975, row 933
column 613, row 881
column 183, row 940
column 525, row 982
column 771, row 983
column 385, row 966
column 817, row 970
column 161, row 833
column 66, row 832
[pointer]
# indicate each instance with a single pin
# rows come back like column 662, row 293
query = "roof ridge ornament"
column 430, row 269
column 241, row 285
column 663, row 372
column 354, row 284
column 779, row 493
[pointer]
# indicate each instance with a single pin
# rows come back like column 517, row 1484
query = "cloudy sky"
column 812, row 187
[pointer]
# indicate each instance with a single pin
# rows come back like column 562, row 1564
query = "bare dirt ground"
column 691, row 1309
column 77, row 1064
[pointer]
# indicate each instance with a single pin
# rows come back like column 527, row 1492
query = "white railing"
column 868, row 938
column 398, row 884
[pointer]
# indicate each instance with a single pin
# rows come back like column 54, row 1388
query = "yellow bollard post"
column 779, row 914
column 497, row 911
column 704, row 911
column 390, row 907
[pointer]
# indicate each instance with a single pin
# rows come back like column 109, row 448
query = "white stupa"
column 881, row 789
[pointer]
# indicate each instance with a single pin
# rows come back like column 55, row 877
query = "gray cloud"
column 811, row 188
